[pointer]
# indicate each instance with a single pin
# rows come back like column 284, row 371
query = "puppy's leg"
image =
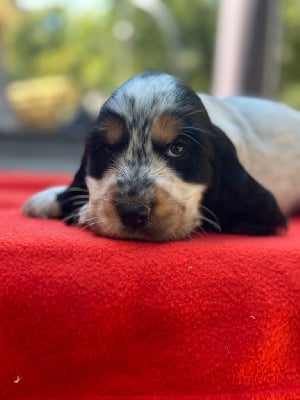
column 45, row 204
column 64, row 202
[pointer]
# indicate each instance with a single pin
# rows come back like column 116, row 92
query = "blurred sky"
column 76, row 6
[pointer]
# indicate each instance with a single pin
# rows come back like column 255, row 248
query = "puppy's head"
column 148, row 161
column 155, row 168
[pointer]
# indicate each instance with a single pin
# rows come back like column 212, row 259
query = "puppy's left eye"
column 176, row 150
column 108, row 149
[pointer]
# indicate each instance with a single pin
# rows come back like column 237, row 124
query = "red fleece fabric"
column 89, row 318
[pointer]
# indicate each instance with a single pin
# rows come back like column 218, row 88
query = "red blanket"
column 84, row 317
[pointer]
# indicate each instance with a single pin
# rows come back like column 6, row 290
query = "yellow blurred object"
column 9, row 13
column 44, row 103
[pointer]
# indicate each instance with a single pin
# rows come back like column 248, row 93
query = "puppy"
column 162, row 161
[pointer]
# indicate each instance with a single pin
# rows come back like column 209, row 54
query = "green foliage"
column 290, row 78
column 85, row 47
column 91, row 50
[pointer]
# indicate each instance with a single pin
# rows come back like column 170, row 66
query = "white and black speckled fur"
column 229, row 165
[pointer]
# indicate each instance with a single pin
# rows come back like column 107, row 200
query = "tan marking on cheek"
column 176, row 211
column 192, row 207
column 84, row 214
column 113, row 130
column 165, row 129
column 179, row 189
column 191, row 195
column 167, row 212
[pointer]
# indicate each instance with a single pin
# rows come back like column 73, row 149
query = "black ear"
column 75, row 196
column 241, row 204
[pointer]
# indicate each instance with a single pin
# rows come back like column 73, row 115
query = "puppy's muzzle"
column 133, row 215
column 133, row 199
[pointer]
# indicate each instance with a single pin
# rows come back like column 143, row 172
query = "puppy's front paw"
column 44, row 204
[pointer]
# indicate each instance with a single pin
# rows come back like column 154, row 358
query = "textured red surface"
column 83, row 317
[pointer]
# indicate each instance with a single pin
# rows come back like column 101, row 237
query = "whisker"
column 79, row 203
column 91, row 219
column 202, row 234
column 193, row 139
column 73, row 214
column 212, row 223
column 90, row 224
column 190, row 113
column 70, row 216
column 210, row 212
column 76, row 189
column 78, row 197
column 195, row 128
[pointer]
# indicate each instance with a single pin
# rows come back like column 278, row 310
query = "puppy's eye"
column 108, row 149
column 176, row 150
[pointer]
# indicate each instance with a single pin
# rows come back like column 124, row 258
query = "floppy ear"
column 241, row 204
column 75, row 196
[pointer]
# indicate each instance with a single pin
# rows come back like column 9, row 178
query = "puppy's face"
column 148, row 162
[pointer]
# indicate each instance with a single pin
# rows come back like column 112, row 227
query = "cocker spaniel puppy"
column 162, row 161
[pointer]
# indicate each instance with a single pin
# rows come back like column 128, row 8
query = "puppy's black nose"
column 132, row 214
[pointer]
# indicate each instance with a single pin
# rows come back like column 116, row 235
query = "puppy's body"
column 161, row 162
column 266, row 136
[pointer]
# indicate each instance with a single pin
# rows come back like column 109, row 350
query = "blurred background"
column 59, row 60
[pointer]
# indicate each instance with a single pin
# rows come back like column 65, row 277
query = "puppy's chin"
column 174, row 211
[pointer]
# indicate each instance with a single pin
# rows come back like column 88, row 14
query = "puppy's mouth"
column 163, row 214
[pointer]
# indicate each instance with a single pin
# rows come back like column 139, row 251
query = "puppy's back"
column 266, row 135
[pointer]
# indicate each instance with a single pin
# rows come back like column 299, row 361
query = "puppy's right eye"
column 176, row 150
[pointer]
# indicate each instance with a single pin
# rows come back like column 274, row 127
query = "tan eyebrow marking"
column 165, row 128
column 112, row 130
